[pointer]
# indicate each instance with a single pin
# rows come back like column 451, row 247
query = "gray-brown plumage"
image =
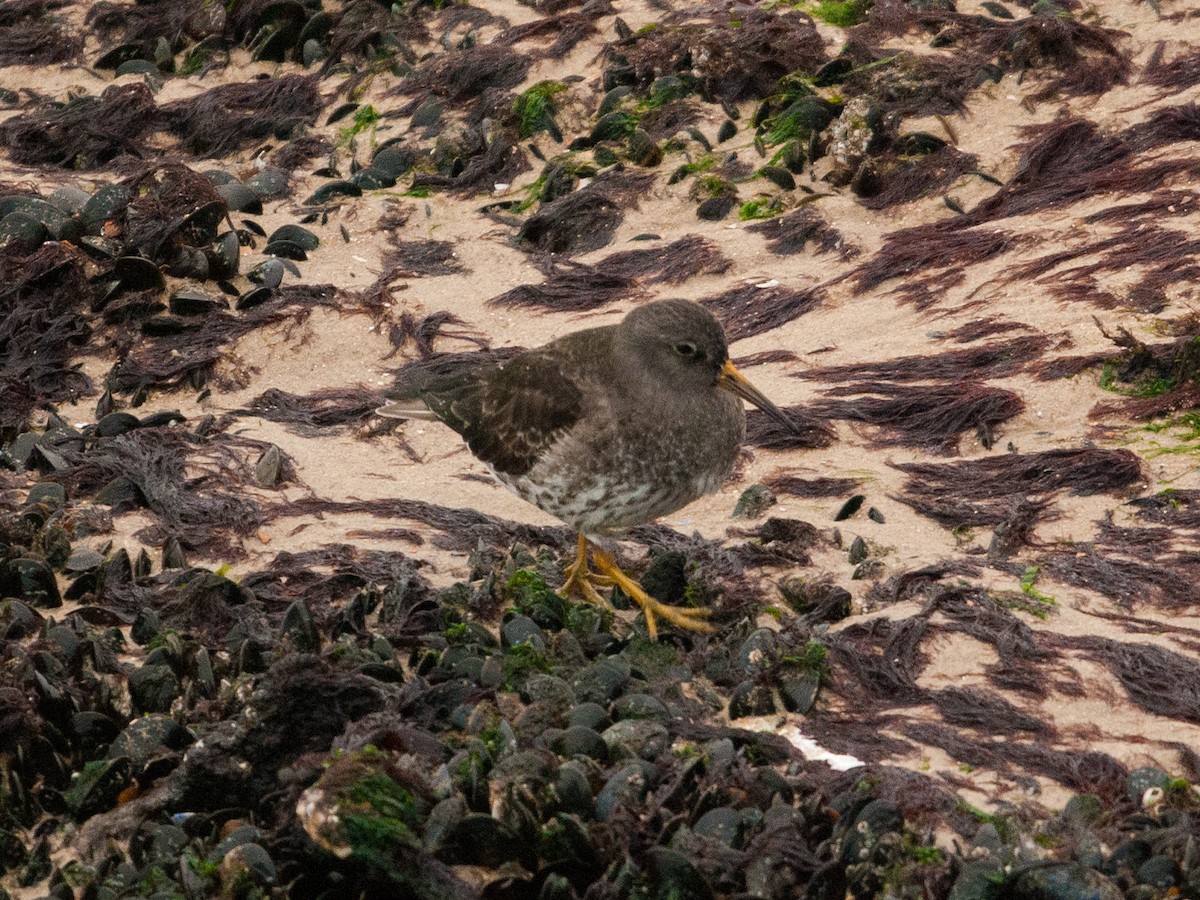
column 604, row 428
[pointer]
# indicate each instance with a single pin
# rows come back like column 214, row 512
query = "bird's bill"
column 735, row 382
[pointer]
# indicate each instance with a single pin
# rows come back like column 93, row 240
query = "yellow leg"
column 582, row 581
column 679, row 616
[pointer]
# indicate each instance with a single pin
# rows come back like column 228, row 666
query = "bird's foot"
column 581, row 581
column 688, row 618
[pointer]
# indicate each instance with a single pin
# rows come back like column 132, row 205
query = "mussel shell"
column 225, row 257
column 19, row 227
column 297, row 235
column 136, row 273
column 268, row 274
column 254, row 297
column 240, row 198
column 107, row 203
column 193, row 302
column 285, row 250
column 333, row 190
column 115, row 57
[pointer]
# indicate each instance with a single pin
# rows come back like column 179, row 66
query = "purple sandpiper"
column 605, row 428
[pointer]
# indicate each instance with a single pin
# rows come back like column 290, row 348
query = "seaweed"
column 189, row 484
column 672, row 263
column 751, row 309
column 464, row 75
column 413, row 259
column 1084, row 471
column 143, row 25
column 978, row 329
column 947, row 245
column 1175, row 508
column 424, row 331
column 230, row 116
column 36, row 41
column 584, row 220
column 571, row 287
column 1169, row 581
column 84, row 133
column 321, row 410
column 1178, row 73
column 906, row 180
column 43, row 293
column 459, row 530
column 999, row 360
column 1088, row 771
column 806, row 431
column 784, row 481
column 987, row 712
column 1015, row 530
column 190, row 359
column 568, row 30
column 475, row 162
column 731, row 56
column 790, row 234
column 878, row 661
column 933, row 417
column 765, row 357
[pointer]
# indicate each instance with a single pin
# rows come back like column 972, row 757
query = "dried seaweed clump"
column 673, row 263
column 933, row 417
column 459, row 530
column 570, row 287
column 171, row 208
column 786, row 481
column 790, row 234
column 941, row 252
column 1069, row 160
column 1087, row 56
column 320, row 410
column 1175, row 508
column 29, row 37
column 195, row 488
column 230, row 116
column 413, row 259
column 462, row 75
column 137, row 29
column 191, row 358
column 83, row 133
column 42, row 296
column 1158, row 680
column 749, row 309
column 901, row 180
column 998, row 360
column 568, row 29
column 576, row 287
column 1180, row 72
column 806, row 431
column 471, row 160
column 1155, row 575
column 585, row 219
column 980, row 491
column 734, row 55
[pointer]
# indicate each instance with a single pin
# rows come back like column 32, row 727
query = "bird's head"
column 678, row 339
column 685, row 345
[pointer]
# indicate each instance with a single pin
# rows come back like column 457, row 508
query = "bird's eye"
column 686, row 349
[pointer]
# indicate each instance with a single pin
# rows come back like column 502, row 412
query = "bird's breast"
column 630, row 466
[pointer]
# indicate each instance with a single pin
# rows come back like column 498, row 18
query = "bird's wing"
column 512, row 415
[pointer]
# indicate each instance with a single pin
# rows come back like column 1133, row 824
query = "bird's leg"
column 680, row 616
column 583, row 581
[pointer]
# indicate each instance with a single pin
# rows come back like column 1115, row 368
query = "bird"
column 604, row 428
